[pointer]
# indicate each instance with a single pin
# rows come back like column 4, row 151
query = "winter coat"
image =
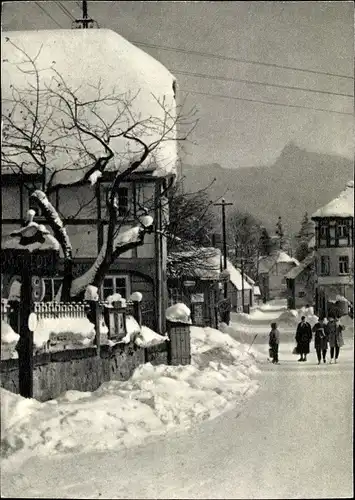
column 303, row 337
column 304, row 333
column 320, row 336
column 274, row 337
column 335, row 334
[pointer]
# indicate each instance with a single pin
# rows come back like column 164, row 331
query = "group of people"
column 325, row 334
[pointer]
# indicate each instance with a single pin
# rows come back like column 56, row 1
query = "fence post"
column 136, row 299
column 25, row 344
column 97, row 328
column 137, row 312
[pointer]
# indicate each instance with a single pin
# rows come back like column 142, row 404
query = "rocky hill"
column 298, row 181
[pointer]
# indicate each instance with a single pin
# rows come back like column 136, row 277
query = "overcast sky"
column 234, row 132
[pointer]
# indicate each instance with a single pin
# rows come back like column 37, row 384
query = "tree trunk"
column 60, row 233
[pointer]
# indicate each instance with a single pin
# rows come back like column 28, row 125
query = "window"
column 122, row 201
column 176, row 295
column 144, row 197
column 332, row 234
column 342, row 231
column 301, row 294
column 344, row 264
column 52, row 286
column 115, row 284
column 323, row 228
column 324, row 265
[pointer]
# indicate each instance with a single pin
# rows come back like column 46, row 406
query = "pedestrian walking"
column 335, row 338
column 320, row 340
column 303, row 338
column 274, row 340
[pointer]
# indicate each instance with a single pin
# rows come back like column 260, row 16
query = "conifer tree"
column 304, row 235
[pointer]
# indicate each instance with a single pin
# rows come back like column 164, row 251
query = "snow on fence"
column 108, row 318
column 54, row 310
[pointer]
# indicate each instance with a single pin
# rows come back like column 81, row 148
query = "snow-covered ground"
column 292, row 439
column 121, row 414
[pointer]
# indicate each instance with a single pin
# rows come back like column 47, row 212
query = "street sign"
column 40, row 263
column 197, row 298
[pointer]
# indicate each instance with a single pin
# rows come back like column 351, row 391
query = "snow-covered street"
column 292, row 439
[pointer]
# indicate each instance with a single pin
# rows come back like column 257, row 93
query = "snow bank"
column 76, row 331
column 156, row 399
column 148, row 337
column 346, row 321
column 289, row 317
column 9, row 340
column 293, row 316
column 8, row 336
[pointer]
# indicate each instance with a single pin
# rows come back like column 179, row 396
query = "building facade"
column 83, row 207
column 272, row 274
column 335, row 250
column 141, row 269
column 301, row 284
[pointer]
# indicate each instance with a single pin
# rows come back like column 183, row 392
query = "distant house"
column 335, row 250
column 300, row 281
column 272, row 274
column 201, row 286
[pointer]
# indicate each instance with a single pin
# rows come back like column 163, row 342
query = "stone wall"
column 157, row 354
column 80, row 369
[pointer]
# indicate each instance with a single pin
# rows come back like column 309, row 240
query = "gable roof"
column 112, row 62
column 296, row 271
column 342, row 206
column 268, row 262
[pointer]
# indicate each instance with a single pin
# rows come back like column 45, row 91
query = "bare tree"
column 244, row 235
column 72, row 138
column 191, row 223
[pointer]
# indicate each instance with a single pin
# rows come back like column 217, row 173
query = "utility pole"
column 85, row 14
column 223, row 204
column 85, row 22
column 242, row 269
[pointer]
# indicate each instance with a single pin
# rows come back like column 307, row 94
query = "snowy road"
column 293, row 439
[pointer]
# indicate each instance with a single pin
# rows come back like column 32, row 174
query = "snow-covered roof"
column 297, row 270
column 210, row 268
column 235, row 277
column 268, row 262
column 85, row 58
column 342, row 206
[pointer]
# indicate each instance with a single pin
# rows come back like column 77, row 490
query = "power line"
column 235, row 59
column 66, row 11
column 254, row 82
column 44, row 10
column 298, row 106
